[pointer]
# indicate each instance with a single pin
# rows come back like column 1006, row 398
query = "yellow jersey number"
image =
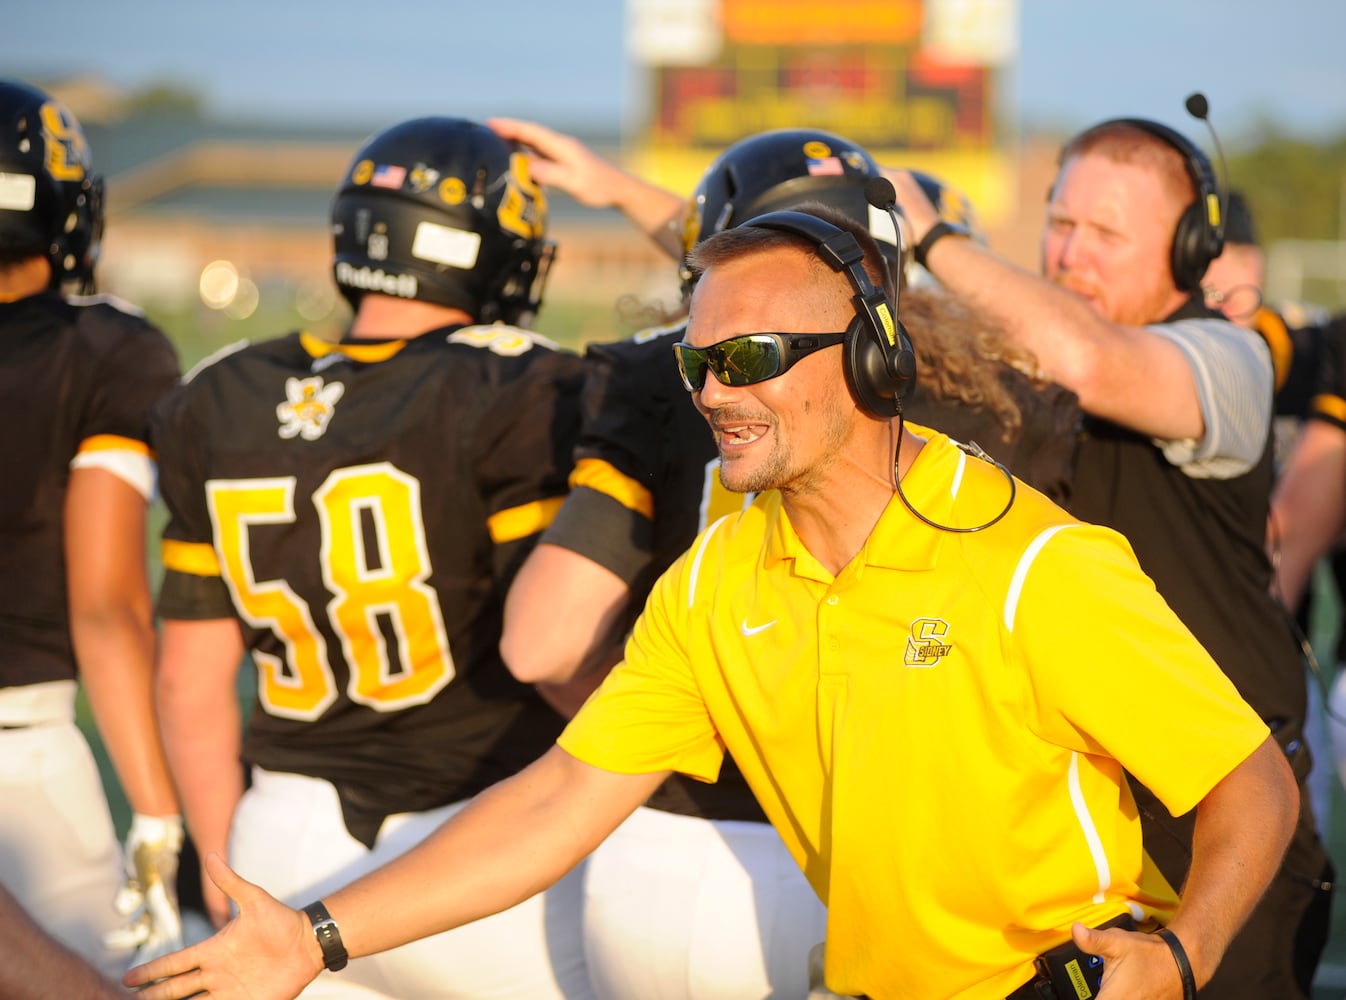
column 365, row 584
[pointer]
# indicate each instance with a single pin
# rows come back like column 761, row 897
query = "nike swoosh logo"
column 753, row 630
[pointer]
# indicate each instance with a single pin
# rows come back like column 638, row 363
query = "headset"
column 1199, row 238
column 880, row 364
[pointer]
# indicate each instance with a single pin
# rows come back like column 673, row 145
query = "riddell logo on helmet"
column 401, row 285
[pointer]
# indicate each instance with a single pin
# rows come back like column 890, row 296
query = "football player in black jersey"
column 721, row 903
column 350, row 514
column 78, row 375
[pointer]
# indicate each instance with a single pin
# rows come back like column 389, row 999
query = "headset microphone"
column 880, row 193
column 1198, row 107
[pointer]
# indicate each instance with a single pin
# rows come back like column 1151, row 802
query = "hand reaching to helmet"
column 563, row 162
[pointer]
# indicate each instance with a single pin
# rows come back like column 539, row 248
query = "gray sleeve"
column 1234, row 380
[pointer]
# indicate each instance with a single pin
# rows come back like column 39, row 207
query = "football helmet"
column 51, row 202
column 443, row 210
column 784, row 168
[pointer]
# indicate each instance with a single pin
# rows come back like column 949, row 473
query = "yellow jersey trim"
column 113, row 442
column 601, row 477
column 522, row 521
column 196, row 558
column 378, row 350
column 1332, row 407
column 1273, row 331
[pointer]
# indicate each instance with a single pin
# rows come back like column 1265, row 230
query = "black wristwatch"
column 329, row 937
column 934, row 234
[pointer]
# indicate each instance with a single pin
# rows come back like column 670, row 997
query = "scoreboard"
column 882, row 97
column 913, row 81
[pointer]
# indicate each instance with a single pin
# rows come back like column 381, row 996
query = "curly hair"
column 960, row 355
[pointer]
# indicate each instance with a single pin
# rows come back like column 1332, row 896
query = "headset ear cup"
column 877, row 388
column 903, row 369
column 1191, row 252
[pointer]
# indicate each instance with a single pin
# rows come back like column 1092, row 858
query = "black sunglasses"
column 749, row 357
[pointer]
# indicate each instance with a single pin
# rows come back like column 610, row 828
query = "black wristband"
column 329, row 937
column 933, row 235
column 1184, row 966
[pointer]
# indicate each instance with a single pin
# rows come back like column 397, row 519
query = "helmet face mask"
column 443, row 210
column 51, row 202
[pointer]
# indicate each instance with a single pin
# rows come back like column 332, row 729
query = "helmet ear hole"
column 443, row 210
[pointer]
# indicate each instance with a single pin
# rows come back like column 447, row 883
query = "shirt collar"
column 899, row 540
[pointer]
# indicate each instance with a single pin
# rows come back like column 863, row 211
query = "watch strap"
column 1180, row 957
column 933, row 235
column 325, row 929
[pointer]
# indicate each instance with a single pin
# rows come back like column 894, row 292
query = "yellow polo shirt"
column 936, row 731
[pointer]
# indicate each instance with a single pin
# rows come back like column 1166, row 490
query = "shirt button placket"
column 829, row 640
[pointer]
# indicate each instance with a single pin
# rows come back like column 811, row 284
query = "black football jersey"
column 75, row 375
column 1328, row 401
column 646, row 482
column 1301, row 357
column 361, row 508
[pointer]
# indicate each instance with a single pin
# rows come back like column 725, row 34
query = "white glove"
column 149, row 896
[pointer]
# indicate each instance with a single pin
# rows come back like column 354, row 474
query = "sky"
column 564, row 62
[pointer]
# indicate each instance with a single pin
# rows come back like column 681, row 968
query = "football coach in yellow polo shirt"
column 933, row 679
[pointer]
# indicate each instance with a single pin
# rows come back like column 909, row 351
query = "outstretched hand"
column 562, row 161
column 1136, row 966
column 267, row 951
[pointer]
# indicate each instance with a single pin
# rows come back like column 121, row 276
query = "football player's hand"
column 562, row 161
column 912, row 202
column 1136, row 965
column 267, row 951
column 149, row 897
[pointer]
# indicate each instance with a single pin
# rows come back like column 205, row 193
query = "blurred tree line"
column 1294, row 186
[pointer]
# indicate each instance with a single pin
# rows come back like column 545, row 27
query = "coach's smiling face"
column 786, row 432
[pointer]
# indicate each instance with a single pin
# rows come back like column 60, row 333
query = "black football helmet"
column 782, row 169
column 51, row 202
column 443, row 210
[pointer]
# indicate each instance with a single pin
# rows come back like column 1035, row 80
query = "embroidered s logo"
column 308, row 406
column 928, row 642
